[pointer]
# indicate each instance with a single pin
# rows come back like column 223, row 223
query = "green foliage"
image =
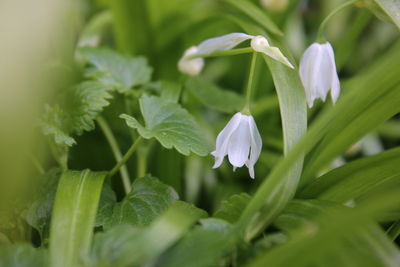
column 214, row 97
column 147, row 200
column 170, row 124
column 120, row 72
column 392, row 9
column 232, row 208
column 73, row 216
column 22, row 255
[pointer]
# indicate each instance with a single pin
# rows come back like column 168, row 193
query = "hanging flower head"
column 192, row 62
column 241, row 141
column 318, row 73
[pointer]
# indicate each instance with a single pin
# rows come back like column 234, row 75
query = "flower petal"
column 221, row 147
column 191, row 66
column 260, row 44
column 256, row 146
column 335, row 83
column 224, row 42
column 239, row 143
column 306, row 71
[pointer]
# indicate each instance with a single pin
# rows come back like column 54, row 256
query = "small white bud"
column 260, row 44
column 191, row 66
column 275, row 5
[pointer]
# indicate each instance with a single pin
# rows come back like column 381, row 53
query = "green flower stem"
column 223, row 53
column 116, row 152
column 320, row 35
column 125, row 158
column 249, row 88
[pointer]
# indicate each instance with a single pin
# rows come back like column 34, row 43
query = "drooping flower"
column 192, row 62
column 241, row 141
column 318, row 73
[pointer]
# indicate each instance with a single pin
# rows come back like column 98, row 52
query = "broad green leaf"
column 170, row 124
column 108, row 199
column 232, row 208
column 120, row 72
column 73, row 216
column 170, row 91
column 214, row 97
column 22, row 255
column 147, row 200
column 311, row 223
column 256, row 14
column 203, row 246
column 392, row 9
column 357, row 178
column 125, row 245
column 39, row 213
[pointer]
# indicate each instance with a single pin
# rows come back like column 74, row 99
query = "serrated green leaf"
column 73, row 216
column 170, row 124
column 392, row 9
column 22, row 255
column 53, row 124
column 256, row 14
column 125, row 245
column 39, row 213
column 88, row 101
column 357, row 178
column 204, row 246
column 108, row 199
column 232, row 208
column 147, row 200
column 214, row 97
column 120, row 72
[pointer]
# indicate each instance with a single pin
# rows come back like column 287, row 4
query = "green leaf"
column 73, row 216
column 39, row 213
column 256, row 14
column 147, row 200
column 357, row 178
column 170, row 124
column 392, row 9
column 88, row 101
column 108, row 199
column 125, row 245
column 170, row 91
column 214, row 97
column 120, row 72
column 232, row 208
column 53, row 124
column 203, row 246
column 22, row 255
column 311, row 223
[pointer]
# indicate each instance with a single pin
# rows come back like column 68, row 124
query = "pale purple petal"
column 239, row 143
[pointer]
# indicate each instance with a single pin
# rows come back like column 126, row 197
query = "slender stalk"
column 249, row 88
column 223, row 53
column 116, row 152
column 320, row 35
column 128, row 110
column 125, row 158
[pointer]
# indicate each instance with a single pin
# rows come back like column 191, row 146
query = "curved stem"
column 125, row 158
column 231, row 52
column 249, row 88
column 116, row 152
column 320, row 35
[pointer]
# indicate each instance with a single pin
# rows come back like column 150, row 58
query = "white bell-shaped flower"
column 318, row 73
column 192, row 62
column 241, row 141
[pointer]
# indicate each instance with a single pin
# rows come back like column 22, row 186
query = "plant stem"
column 116, row 152
column 320, row 35
column 222, row 53
column 249, row 88
column 125, row 158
